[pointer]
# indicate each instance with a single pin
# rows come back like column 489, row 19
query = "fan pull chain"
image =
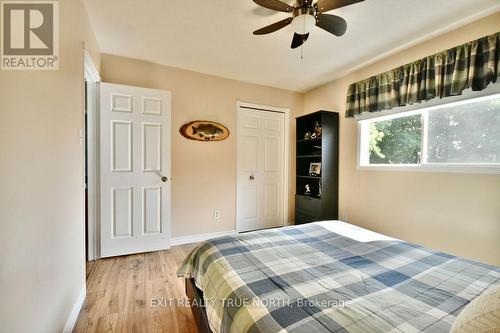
column 302, row 45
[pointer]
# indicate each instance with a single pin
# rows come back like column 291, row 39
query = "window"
column 464, row 134
column 396, row 141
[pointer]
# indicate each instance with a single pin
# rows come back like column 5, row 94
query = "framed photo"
column 315, row 169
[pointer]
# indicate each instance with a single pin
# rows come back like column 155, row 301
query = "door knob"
column 164, row 179
column 251, row 177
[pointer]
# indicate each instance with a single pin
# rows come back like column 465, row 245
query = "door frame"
column 91, row 75
column 286, row 158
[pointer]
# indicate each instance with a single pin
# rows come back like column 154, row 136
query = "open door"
column 135, row 153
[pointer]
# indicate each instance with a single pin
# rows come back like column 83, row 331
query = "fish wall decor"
column 204, row 130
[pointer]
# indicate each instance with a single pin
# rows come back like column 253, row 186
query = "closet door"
column 261, row 154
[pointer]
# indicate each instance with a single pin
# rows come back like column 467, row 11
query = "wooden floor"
column 120, row 292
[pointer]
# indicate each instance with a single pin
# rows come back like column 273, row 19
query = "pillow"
column 481, row 315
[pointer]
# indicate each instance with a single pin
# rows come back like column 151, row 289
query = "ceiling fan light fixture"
column 302, row 24
column 305, row 14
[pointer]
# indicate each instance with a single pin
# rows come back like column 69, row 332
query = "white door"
column 261, row 155
column 135, row 169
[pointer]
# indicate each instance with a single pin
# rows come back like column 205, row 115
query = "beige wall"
column 203, row 174
column 42, row 268
column 456, row 213
column 41, row 200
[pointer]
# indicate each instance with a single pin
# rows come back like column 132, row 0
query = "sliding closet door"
column 135, row 169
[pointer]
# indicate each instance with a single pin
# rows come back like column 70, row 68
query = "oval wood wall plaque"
column 204, row 130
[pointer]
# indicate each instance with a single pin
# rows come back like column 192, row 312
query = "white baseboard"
column 200, row 238
column 73, row 316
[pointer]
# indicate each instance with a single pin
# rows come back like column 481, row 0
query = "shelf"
column 309, row 177
column 307, row 140
column 324, row 149
column 309, row 196
column 308, row 156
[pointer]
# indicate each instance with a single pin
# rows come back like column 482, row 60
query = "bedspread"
column 331, row 277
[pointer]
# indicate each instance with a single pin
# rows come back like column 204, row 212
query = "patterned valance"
column 472, row 65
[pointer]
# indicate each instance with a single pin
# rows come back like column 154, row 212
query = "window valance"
column 472, row 65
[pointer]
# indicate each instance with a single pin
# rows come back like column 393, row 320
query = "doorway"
column 262, row 167
column 90, row 139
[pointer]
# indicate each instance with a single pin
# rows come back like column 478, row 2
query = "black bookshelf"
column 321, row 202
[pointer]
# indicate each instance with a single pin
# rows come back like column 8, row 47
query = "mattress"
column 331, row 277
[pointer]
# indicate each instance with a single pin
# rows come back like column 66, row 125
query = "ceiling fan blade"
column 275, row 5
column 298, row 40
column 332, row 23
column 305, row 3
column 326, row 5
column 273, row 27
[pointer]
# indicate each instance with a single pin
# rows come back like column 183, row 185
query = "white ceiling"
column 215, row 36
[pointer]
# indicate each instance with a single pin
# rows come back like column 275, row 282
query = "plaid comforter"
column 321, row 277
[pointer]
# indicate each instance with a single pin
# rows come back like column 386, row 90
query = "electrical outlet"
column 216, row 214
column 80, row 136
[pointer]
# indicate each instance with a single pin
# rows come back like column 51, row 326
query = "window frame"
column 423, row 109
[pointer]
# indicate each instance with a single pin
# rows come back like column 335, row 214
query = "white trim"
column 263, row 107
column 444, row 167
column 200, row 238
column 286, row 164
column 92, row 77
column 89, row 67
column 424, row 118
column 75, row 311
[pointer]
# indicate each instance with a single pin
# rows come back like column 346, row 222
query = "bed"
column 328, row 277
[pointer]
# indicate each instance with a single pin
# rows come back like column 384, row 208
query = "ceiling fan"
column 305, row 14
